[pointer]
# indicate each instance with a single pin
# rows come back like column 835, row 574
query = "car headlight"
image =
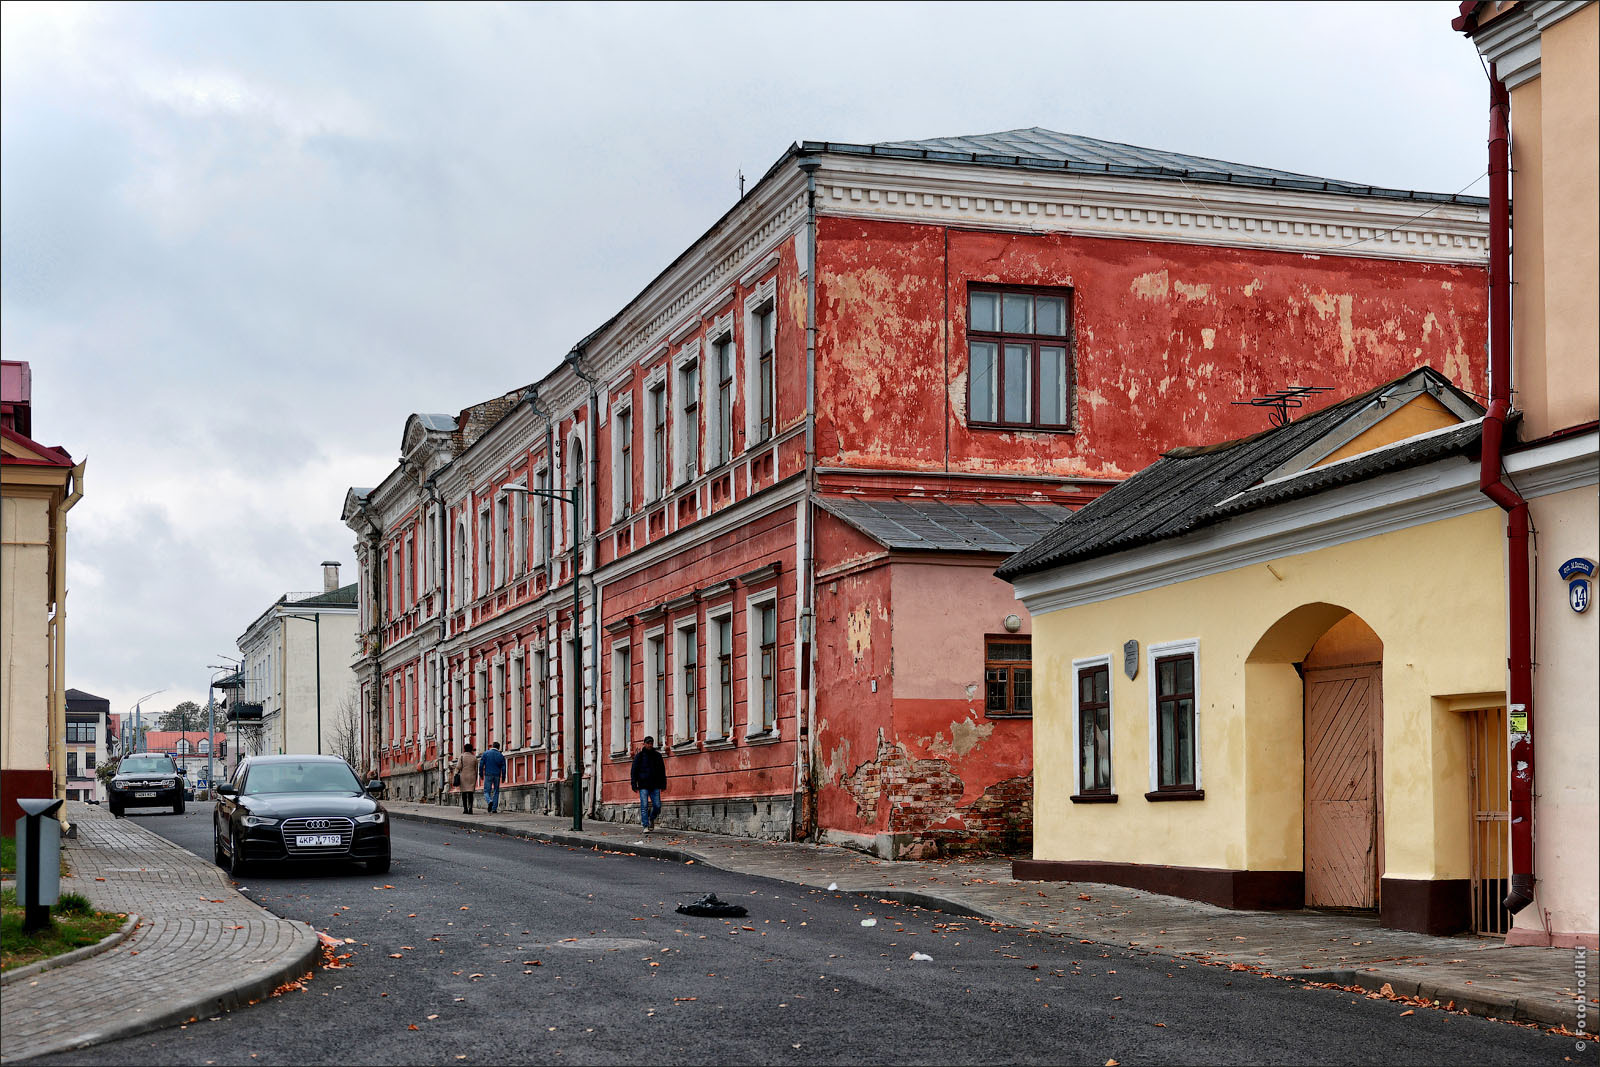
column 260, row 820
column 167, row 783
column 375, row 817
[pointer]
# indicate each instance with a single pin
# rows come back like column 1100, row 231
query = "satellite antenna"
column 1279, row 401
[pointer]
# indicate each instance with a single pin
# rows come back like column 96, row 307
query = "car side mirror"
column 375, row 787
column 183, row 771
column 227, row 791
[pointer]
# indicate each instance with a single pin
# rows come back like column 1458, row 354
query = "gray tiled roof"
column 937, row 526
column 342, row 597
column 1190, row 488
column 1047, row 149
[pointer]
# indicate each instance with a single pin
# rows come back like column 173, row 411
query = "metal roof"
column 938, row 526
column 1190, row 488
column 437, row 421
column 1048, row 149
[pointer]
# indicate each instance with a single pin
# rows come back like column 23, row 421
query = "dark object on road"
column 147, row 780
column 712, row 908
column 289, row 808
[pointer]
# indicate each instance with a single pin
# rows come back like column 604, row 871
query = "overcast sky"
column 241, row 243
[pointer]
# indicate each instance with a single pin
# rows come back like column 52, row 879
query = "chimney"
column 330, row 575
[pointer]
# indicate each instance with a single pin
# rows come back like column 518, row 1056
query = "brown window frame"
column 1188, row 786
column 656, row 397
column 624, row 429
column 723, row 353
column 1034, row 341
column 767, row 613
column 1089, row 784
column 766, row 379
column 688, row 728
column 1009, row 666
column 689, row 379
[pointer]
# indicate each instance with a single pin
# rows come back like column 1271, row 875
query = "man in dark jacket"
column 649, row 778
column 492, row 766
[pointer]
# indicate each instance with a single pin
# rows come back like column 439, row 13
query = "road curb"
column 1472, row 1001
column 111, row 940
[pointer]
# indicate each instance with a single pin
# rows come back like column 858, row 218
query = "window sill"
column 1020, row 427
column 1093, row 798
column 1176, row 794
column 1008, row 714
column 766, row 737
column 718, row 744
column 619, row 757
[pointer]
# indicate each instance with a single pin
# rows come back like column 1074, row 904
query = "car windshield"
column 144, row 765
column 309, row 777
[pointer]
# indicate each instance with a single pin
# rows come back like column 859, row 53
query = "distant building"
column 39, row 484
column 88, row 743
column 283, row 650
column 190, row 750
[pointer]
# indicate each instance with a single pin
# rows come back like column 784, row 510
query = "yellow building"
column 1271, row 672
column 38, row 486
column 1544, row 53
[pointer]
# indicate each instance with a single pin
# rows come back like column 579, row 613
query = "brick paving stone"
column 201, row 947
column 1480, row 974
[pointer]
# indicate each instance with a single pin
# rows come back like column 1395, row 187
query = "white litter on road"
column 922, row 956
column 832, row 886
column 869, row 922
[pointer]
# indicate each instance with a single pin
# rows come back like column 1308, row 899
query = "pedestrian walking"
column 467, row 776
column 649, row 778
column 493, row 767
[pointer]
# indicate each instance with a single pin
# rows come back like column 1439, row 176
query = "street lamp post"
column 211, row 724
column 317, row 620
column 138, row 721
column 572, row 500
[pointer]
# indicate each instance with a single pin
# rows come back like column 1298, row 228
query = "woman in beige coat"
column 467, row 776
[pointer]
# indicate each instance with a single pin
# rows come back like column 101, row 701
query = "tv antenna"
column 1279, row 401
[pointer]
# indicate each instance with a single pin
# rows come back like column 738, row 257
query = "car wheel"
column 219, row 857
column 177, row 809
column 116, row 811
column 378, row 866
column 235, row 858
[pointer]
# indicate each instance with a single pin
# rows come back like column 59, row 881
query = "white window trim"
column 542, row 504
column 722, row 328
column 680, row 697
column 766, row 293
column 1079, row 665
column 500, row 534
column 516, row 522
column 621, row 699
column 752, row 665
column 678, row 415
column 1190, row 646
column 622, row 406
column 516, row 731
column 713, row 709
column 654, row 714
column 572, row 472
column 479, row 701
column 485, row 573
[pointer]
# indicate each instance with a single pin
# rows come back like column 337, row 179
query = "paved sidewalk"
column 1479, row 975
column 200, row 947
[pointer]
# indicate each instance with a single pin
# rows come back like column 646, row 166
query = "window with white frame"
column 1174, row 674
column 622, row 459
column 1091, row 713
column 502, row 537
column 416, row 707
column 411, row 578
column 480, row 708
column 462, row 567
column 546, row 506
column 655, row 694
column 720, row 380
column 687, row 698
column 761, row 318
column 687, row 419
column 485, row 553
column 430, row 688
column 655, row 455
column 719, row 680
column 580, row 496
column 516, row 551
column 761, row 663
column 540, row 712
column 621, row 697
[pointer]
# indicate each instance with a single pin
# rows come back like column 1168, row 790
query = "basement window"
column 1019, row 347
column 1008, row 675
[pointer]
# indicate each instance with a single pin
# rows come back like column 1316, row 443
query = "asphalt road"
column 477, row 948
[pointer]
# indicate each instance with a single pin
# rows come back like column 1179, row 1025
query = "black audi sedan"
column 292, row 808
column 146, row 780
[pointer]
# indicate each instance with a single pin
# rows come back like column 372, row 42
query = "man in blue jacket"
column 649, row 778
column 493, row 768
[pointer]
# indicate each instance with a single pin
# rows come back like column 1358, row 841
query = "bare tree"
column 345, row 734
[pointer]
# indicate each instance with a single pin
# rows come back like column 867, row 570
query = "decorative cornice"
column 1278, row 220
column 1512, row 41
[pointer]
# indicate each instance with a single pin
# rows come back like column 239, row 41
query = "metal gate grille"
column 1488, row 759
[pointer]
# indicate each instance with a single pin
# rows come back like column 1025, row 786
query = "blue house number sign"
column 1578, row 573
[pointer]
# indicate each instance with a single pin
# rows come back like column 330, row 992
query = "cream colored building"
column 38, row 486
column 296, row 666
column 1545, row 52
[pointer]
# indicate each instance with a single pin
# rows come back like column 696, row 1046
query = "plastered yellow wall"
column 24, row 632
column 1433, row 594
column 1418, row 415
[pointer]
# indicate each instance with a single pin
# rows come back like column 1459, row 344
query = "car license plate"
column 310, row 840
column 142, row 795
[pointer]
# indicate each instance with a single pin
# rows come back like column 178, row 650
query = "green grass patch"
column 8, row 856
column 73, row 924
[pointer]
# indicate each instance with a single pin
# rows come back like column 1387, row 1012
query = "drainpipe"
column 1520, row 623
column 58, row 653
column 804, row 786
column 575, row 357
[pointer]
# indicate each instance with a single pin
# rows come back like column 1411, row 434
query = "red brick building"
column 801, row 451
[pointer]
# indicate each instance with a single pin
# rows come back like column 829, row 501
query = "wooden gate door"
column 1343, row 716
column 1491, row 819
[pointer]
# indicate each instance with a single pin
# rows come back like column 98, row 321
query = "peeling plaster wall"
column 1167, row 336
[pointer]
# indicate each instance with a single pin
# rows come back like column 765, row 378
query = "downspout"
column 375, row 734
column 804, row 785
column 435, row 692
column 58, row 653
column 576, row 358
column 1520, row 623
